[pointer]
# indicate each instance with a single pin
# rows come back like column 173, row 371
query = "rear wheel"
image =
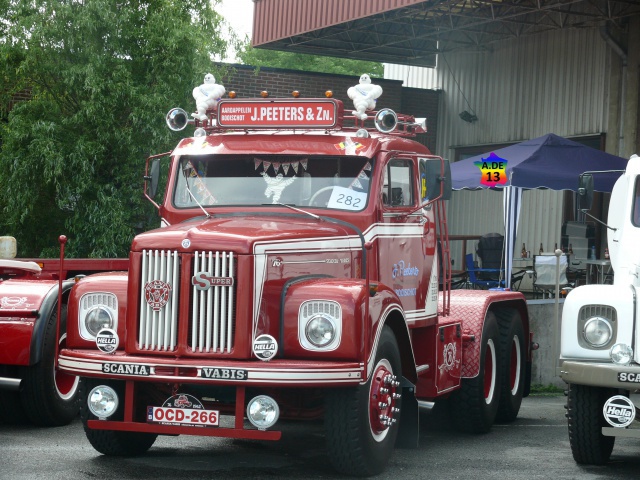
column 475, row 404
column 585, row 419
column 512, row 367
column 50, row 397
column 362, row 422
column 113, row 442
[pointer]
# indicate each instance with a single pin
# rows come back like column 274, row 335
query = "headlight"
column 320, row 325
column 320, row 330
column 98, row 318
column 621, row 354
column 97, row 311
column 597, row 331
column 102, row 401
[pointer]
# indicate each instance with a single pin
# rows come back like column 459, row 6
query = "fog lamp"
column 103, row 401
column 263, row 412
column 597, row 331
column 362, row 133
column 199, row 132
column 621, row 353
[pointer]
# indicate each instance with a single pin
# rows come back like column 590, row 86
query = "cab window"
column 398, row 184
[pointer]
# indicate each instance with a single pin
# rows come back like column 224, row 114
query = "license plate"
column 183, row 416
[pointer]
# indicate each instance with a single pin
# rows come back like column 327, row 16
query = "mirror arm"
column 597, row 220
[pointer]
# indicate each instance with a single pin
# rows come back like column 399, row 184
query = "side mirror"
column 432, row 181
column 154, row 177
column 585, row 192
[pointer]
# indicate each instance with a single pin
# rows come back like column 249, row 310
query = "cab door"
column 401, row 253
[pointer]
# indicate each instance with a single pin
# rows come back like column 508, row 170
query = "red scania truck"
column 302, row 271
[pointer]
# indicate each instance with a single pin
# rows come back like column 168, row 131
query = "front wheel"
column 50, row 397
column 585, row 420
column 475, row 404
column 362, row 422
column 113, row 442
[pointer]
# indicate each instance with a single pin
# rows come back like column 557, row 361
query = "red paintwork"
column 22, row 294
column 273, row 245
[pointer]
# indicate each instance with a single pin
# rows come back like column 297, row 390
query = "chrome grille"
column 158, row 324
column 213, row 307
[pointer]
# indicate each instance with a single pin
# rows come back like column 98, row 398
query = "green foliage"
column 259, row 57
column 540, row 390
column 102, row 75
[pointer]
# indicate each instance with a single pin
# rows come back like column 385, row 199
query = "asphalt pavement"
column 535, row 446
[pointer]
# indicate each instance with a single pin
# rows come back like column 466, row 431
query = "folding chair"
column 474, row 272
column 544, row 274
column 490, row 251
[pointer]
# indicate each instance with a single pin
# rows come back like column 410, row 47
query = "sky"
column 239, row 13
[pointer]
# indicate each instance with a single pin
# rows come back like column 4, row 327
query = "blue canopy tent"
column 548, row 161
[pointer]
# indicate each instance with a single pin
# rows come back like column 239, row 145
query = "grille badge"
column 156, row 293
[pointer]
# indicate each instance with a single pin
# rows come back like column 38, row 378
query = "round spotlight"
column 97, row 319
column 103, row 401
column 362, row 133
column 200, row 132
column 263, row 412
column 597, row 331
column 621, row 354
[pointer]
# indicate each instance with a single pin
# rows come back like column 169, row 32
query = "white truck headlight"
column 621, row 354
column 97, row 311
column 597, row 331
column 102, row 401
column 320, row 325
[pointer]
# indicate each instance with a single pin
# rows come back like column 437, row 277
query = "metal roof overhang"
column 410, row 32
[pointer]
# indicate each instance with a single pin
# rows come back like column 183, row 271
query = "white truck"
column 599, row 352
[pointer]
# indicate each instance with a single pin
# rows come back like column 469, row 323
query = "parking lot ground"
column 535, row 446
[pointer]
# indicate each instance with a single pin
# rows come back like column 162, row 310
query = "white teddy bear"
column 207, row 96
column 364, row 96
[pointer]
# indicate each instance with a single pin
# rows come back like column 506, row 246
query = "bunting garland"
column 257, row 162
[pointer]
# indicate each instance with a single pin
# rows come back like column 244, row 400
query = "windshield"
column 327, row 182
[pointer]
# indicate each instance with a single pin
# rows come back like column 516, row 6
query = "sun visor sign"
column 319, row 113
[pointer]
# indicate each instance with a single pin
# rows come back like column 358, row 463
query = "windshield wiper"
column 186, row 181
column 299, row 210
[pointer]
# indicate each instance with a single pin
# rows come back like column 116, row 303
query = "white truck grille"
column 158, row 323
column 212, row 301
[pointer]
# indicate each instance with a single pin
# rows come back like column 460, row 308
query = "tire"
column 11, row 411
column 50, row 398
column 512, row 371
column 358, row 441
column 474, row 406
column 113, row 442
column 585, row 420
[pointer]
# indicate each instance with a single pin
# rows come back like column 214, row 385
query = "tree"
column 259, row 57
column 102, row 75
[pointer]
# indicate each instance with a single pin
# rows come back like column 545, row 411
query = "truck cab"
column 599, row 336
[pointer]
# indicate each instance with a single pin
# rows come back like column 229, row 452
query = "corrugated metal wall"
column 551, row 83
column 276, row 19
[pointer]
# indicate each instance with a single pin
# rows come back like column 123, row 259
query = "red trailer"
column 302, row 271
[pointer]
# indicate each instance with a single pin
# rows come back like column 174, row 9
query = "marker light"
column 263, row 412
column 621, row 354
column 103, row 401
column 295, row 94
column 232, row 94
column 264, row 94
column 328, row 94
